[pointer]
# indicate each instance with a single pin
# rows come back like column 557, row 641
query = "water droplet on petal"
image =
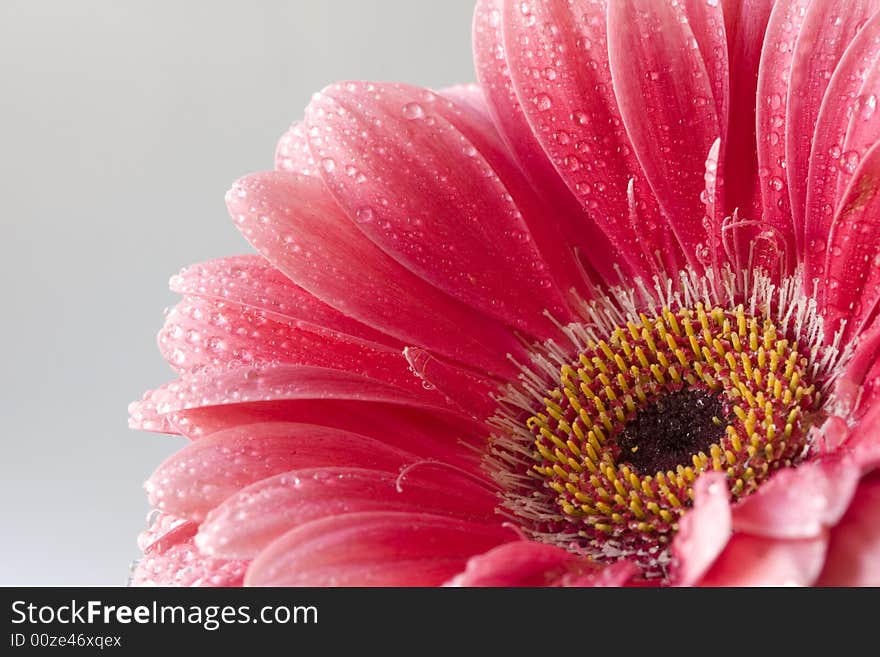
column 866, row 105
column 413, row 111
column 849, row 161
column 580, row 117
column 542, row 102
column 364, row 215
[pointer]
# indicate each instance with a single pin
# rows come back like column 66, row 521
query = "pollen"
column 638, row 416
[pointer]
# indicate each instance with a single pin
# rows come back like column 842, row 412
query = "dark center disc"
column 671, row 429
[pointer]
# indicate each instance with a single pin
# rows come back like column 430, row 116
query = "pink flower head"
column 608, row 317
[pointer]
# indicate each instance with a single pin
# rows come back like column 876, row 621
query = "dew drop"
column 849, row 161
column 364, row 215
column 572, row 163
column 328, row 164
column 866, row 105
column 776, row 183
column 580, row 117
column 413, row 111
column 542, row 102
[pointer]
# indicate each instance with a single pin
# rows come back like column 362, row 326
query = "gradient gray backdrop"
column 122, row 124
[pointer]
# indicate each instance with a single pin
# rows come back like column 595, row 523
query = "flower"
column 610, row 317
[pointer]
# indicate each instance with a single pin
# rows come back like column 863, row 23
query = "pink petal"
column 704, row 530
column 833, row 433
column 614, row 575
column 871, row 390
column 165, row 530
column 473, row 394
column 293, row 221
column 828, row 29
column 853, row 384
column 799, row 502
column 426, row 192
column 864, row 441
column 250, row 281
column 202, row 332
column 852, row 266
column 854, row 547
column 580, row 230
column 520, row 563
column 292, row 153
column 527, row 563
column 255, row 516
column 208, row 402
column 840, row 102
column 374, row 549
column 204, row 473
column 431, row 435
column 494, row 77
column 708, row 25
column 470, row 97
column 562, row 79
column 758, row 561
column 668, row 106
column 183, row 565
column 557, row 237
column 777, row 58
column 171, row 558
column 266, row 383
column 745, row 24
column 864, row 128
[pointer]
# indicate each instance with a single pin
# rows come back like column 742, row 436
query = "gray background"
column 122, row 124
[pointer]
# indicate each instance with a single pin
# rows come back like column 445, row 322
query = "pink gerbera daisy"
column 608, row 317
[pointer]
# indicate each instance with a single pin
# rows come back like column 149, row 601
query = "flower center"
column 671, row 429
column 640, row 415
